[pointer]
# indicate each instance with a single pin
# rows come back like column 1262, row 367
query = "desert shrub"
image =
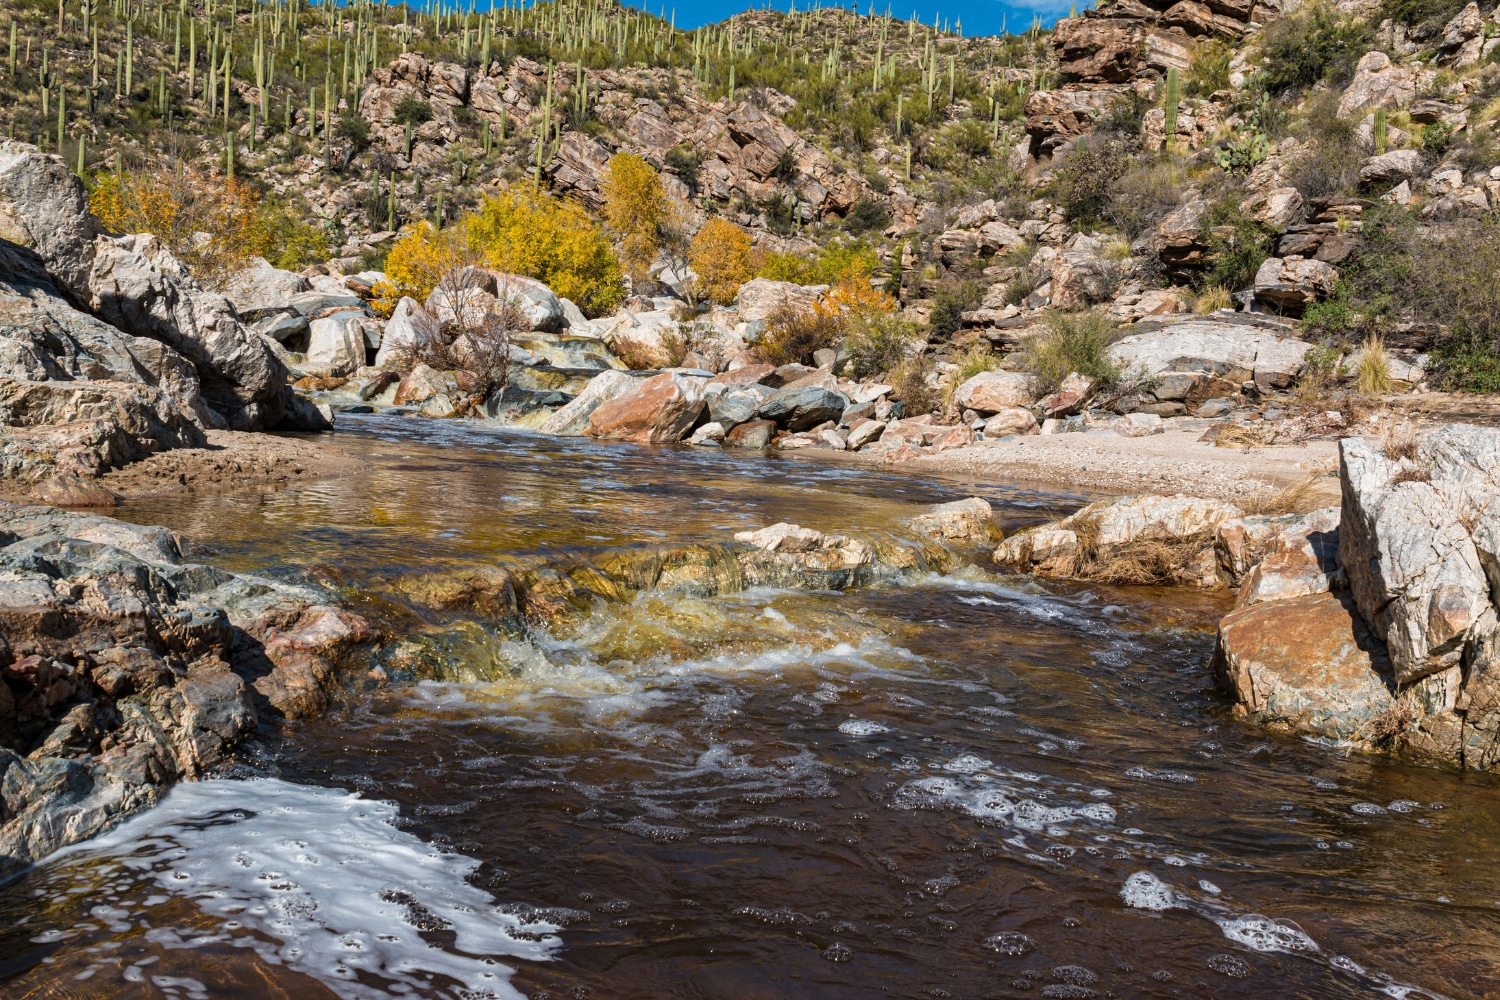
column 412, row 110
column 1331, row 166
column 355, row 129
column 635, row 208
column 1436, row 138
column 416, row 263
column 879, row 344
column 1237, row 245
column 832, row 265
column 792, row 335
column 177, row 204
column 525, row 231
column 866, row 214
column 1084, row 185
column 1210, row 69
column 1122, row 120
column 910, row 386
column 1073, row 342
column 1315, row 43
column 949, row 304
column 721, row 257
column 1212, row 299
column 1434, row 13
column 1439, row 281
column 477, row 332
column 1144, row 195
column 785, row 170
column 686, row 161
column 1373, row 374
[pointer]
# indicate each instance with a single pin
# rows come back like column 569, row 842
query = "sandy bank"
column 1106, row 463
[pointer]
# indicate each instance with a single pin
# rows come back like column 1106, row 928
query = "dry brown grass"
column 1299, row 498
column 1398, row 437
column 1387, row 728
column 1140, row 562
column 1417, row 474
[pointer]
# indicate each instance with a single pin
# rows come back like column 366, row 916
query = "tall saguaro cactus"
column 1380, row 132
column 1170, row 96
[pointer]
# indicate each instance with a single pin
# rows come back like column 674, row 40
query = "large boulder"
column 1391, row 168
column 1080, row 277
column 1134, row 539
column 787, row 554
column 758, row 298
column 44, row 208
column 1290, row 284
column 968, row 522
column 802, row 407
column 336, row 345
column 409, row 329
column 134, row 283
column 572, row 419
column 1411, row 538
column 1223, row 354
column 1098, row 50
column 1300, row 559
column 121, row 664
column 262, row 290
column 658, row 410
column 1308, row 664
column 1378, row 83
column 991, row 392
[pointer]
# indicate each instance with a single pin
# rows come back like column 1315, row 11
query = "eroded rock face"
column 1223, row 355
column 125, row 667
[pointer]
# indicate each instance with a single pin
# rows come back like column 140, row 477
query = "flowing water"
column 958, row 785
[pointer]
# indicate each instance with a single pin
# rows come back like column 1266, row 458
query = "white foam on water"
column 992, row 802
column 328, row 884
column 861, row 727
column 1145, row 891
column 1264, row 934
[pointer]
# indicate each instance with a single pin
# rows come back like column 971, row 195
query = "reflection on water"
column 965, row 786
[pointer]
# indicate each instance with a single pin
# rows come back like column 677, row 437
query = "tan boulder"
column 659, row 410
column 991, row 392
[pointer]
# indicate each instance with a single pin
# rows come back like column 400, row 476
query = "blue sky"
column 980, row 17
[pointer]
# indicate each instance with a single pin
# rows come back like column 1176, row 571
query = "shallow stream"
column 961, row 785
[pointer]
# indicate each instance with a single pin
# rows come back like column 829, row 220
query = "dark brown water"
column 937, row 789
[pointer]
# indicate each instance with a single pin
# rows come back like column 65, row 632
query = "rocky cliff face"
column 109, row 350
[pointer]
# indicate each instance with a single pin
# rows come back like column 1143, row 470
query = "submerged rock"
column 966, row 522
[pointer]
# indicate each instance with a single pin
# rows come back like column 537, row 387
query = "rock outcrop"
column 124, row 666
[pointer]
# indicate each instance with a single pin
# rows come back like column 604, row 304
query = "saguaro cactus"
column 1380, row 131
column 1170, row 97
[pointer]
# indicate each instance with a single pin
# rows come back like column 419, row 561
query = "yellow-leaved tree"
column 524, row 232
column 721, row 257
column 177, row 203
column 529, row 232
column 636, row 209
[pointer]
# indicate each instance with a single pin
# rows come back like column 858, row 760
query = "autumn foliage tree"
column 524, row 232
column 180, row 205
column 721, row 257
column 636, row 209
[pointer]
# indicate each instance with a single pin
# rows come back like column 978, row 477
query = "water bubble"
column 861, row 727
column 1404, row 806
column 1264, row 934
column 1346, row 964
column 1075, row 974
column 837, row 953
column 1009, row 943
column 1230, row 965
column 1162, row 977
column 967, row 763
column 1144, row 891
column 1174, row 861
column 1067, row 991
column 1367, row 809
column 1208, row 887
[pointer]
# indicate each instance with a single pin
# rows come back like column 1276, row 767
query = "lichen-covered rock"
column 1292, row 283
column 1227, row 354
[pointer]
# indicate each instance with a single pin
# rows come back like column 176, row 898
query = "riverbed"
column 961, row 784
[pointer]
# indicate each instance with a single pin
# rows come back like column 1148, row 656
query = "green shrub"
column 1331, row 166
column 948, row 307
column 879, row 344
column 686, row 161
column 1210, row 69
column 412, row 110
column 865, row 215
column 792, row 335
column 1437, row 137
column 909, row 386
column 1144, row 195
column 1237, row 246
column 1084, row 185
column 1314, row 44
column 1419, row 12
column 1074, row 342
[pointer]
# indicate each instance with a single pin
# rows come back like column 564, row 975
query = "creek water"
column 958, row 785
